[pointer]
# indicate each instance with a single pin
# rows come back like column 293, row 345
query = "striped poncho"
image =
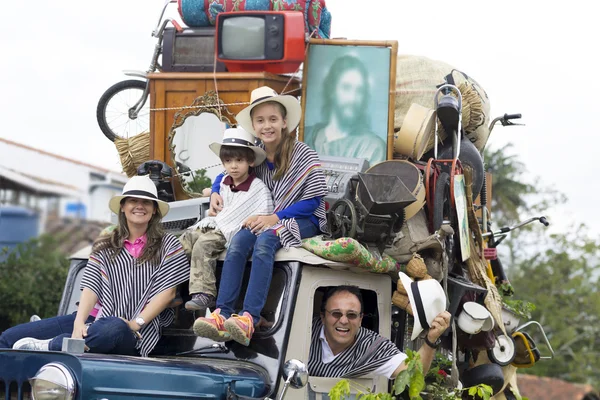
column 124, row 286
column 368, row 352
column 304, row 180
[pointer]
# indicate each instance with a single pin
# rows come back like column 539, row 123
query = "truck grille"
column 15, row 390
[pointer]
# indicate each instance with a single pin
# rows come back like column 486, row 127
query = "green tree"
column 509, row 193
column 562, row 282
column 199, row 182
column 32, row 277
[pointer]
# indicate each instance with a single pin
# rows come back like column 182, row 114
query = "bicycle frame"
column 158, row 33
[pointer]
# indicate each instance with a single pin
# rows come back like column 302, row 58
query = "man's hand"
column 79, row 330
column 216, row 204
column 438, row 326
column 258, row 223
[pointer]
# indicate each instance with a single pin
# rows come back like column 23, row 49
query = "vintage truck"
column 189, row 367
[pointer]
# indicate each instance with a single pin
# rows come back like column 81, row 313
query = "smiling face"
column 341, row 332
column 138, row 211
column 268, row 123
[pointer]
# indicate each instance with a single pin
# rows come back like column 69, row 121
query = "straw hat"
column 427, row 299
column 238, row 137
column 264, row 94
column 416, row 132
column 141, row 187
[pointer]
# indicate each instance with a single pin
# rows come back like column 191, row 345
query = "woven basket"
column 416, row 267
column 133, row 152
column 402, row 301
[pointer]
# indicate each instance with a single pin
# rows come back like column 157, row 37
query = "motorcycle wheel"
column 113, row 111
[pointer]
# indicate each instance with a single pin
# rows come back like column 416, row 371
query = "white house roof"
column 42, row 187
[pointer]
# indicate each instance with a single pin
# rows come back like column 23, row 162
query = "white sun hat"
column 427, row 299
column 239, row 137
column 262, row 95
column 141, row 187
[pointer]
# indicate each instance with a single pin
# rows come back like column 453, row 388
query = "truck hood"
column 123, row 377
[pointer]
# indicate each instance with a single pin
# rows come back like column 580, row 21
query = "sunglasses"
column 351, row 315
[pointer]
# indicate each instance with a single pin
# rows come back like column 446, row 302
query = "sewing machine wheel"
column 342, row 219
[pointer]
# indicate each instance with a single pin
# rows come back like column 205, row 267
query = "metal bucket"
column 383, row 194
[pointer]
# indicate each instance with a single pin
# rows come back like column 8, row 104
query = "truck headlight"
column 53, row 381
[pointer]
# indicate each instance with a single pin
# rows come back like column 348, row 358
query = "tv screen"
column 243, row 38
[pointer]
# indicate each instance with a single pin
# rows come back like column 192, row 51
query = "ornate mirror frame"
column 210, row 103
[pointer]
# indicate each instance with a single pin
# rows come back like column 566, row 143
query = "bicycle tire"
column 114, row 94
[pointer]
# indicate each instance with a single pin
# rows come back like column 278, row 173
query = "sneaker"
column 240, row 327
column 200, row 302
column 30, row 343
column 212, row 327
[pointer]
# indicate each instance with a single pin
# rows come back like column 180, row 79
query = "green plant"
column 413, row 379
column 32, row 277
column 412, row 376
column 342, row 390
column 521, row 308
column 199, row 182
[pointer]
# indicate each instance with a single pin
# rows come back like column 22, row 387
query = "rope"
column 239, row 103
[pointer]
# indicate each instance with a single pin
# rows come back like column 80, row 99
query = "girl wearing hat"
column 292, row 172
column 132, row 272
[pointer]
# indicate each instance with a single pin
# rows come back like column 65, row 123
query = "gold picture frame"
column 333, row 72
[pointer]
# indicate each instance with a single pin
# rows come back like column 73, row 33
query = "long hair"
column 114, row 242
column 336, row 71
column 285, row 148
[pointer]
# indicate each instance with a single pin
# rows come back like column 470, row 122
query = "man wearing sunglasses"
column 341, row 348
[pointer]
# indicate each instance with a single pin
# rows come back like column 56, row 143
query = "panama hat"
column 238, row 137
column 141, row 187
column 264, row 94
column 427, row 299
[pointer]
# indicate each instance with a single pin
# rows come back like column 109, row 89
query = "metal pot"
column 474, row 317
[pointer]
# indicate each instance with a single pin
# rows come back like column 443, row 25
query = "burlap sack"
column 417, row 80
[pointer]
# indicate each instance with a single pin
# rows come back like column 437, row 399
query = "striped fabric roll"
column 124, row 286
column 304, row 180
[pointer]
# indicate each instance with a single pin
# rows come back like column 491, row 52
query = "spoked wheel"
column 503, row 352
column 342, row 219
column 443, row 211
column 115, row 111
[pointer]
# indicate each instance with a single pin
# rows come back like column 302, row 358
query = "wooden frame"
column 207, row 103
column 314, row 81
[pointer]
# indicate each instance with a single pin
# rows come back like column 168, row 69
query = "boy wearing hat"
column 243, row 195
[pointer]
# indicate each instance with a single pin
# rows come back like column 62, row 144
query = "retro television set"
column 190, row 50
column 252, row 41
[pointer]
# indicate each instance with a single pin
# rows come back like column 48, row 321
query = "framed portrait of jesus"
column 348, row 92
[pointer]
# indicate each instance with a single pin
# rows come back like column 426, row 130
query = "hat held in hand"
column 427, row 299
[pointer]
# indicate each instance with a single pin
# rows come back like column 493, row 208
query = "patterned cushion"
column 348, row 250
column 204, row 13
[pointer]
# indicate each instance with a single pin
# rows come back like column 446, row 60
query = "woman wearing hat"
column 292, row 172
column 132, row 272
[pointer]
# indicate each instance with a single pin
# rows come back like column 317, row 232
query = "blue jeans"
column 263, row 248
column 109, row 335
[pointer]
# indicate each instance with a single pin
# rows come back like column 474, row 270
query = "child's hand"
column 216, row 204
column 262, row 222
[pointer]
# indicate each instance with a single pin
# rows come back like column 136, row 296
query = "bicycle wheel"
column 113, row 111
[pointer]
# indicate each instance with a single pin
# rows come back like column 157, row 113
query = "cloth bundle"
column 348, row 250
column 317, row 19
